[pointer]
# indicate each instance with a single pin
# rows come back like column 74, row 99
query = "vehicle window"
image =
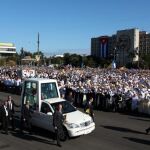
column 66, row 107
column 45, row 108
column 49, row 90
column 30, row 94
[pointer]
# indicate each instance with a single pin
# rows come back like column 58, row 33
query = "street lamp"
column 83, row 56
column 115, row 54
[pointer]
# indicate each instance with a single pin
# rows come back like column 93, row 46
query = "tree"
column 24, row 53
column 146, row 60
column 131, row 55
column 90, row 62
column 67, row 58
column 10, row 63
column 38, row 53
column 2, row 62
column 76, row 60
column 57, row 60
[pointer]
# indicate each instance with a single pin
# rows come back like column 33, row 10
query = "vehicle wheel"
column 64, row 135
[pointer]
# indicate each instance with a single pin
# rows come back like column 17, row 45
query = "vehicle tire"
column 65, row 135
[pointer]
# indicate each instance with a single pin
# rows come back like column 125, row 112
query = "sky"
column 68, row 25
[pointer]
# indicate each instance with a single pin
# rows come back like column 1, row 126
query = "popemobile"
column 43, row 96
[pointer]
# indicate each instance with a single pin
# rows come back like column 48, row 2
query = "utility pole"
column 38, row 43
column 114, row 54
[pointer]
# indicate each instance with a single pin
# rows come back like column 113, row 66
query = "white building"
column 7, row 49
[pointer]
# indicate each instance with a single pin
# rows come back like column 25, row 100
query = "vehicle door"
column 30, row 91
column 44, row 118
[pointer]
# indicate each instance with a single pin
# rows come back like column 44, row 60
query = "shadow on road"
column 4, row 146
column 132, row 114
column 137, row 140
column 29, row 137
column 121, row 129
column 37, row 131
column 141, row 119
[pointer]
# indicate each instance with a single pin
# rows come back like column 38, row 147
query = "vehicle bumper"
column 81, row 131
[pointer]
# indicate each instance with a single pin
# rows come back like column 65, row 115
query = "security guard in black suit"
column 26, row 117
column 58, row 120
column 11, row 111
column 5, row 122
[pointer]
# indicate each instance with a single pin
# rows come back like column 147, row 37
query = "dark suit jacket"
column 4, row 119
column 26, row 113
column 11, row 111
column 58, row 122
column 3, row 113
column 58, row 119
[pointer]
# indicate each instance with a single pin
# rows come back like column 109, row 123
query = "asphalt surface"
column 113, row 131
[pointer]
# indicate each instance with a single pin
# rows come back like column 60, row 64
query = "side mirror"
column 49, row 113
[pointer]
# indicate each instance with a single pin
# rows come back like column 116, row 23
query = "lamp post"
column 82, row 63
column 114, row 57
column 114, row 54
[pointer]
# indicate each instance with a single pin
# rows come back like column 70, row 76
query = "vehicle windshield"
column 66, row 107
column 49, row 90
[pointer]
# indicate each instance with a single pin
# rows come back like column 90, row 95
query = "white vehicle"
column 43, row 95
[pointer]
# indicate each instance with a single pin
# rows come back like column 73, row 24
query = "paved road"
column 113, row 131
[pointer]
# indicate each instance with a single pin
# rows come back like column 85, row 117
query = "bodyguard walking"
column 26, row 117
column 58, row 120
column 5, row 122
column 11, row 111
column 89, row 108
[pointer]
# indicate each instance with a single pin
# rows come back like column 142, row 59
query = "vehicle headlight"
column 72, row 125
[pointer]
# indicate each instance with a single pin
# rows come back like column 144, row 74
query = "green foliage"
column 73, row 59
column 76, row 60
column 66, row 58
column 57, row 60
column 36, row 53
column 80, row 61
column 90, row 62
column 131, row 55
column 24, row 53
column 146, row 60
column 2, row 62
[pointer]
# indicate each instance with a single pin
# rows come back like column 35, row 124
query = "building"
column 7, row 49
column 122, row 47
column 127, row 46
column 99, row 46
column 112, row 46
column 144, row 45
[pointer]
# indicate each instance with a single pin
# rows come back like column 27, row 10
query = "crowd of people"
column 111, row 89
column 90, row 88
